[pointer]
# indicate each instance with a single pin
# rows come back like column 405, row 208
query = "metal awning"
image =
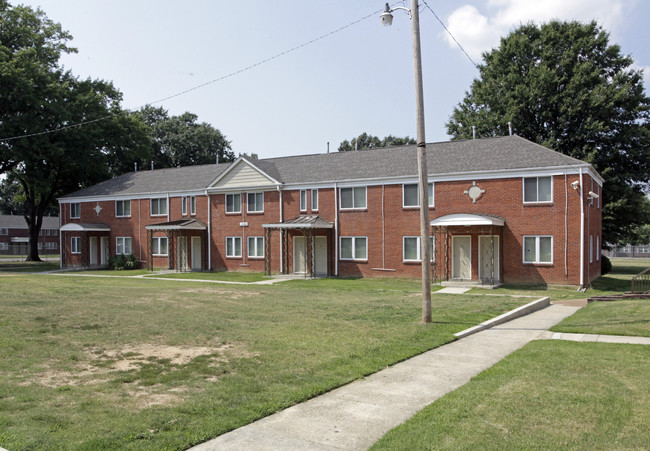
column 302, row 222
column 80, row 227
column 180, row 224
column 467, row 219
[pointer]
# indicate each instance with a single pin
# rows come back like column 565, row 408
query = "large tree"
column 563, row 85
column 366, row 141
column 43, row 149
column 182, row 141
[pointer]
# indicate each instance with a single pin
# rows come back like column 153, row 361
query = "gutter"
column 582, row 234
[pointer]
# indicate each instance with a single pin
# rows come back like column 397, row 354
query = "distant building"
column 638, row 251
column 14, row 235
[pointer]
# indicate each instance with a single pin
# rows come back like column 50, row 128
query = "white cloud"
column 646, row 75
column 478, row 32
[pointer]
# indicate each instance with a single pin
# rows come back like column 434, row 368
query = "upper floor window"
column 184, row 205
column 192, row 205
column 538, row 249
column 538, row 189
column 411, row 195
column 255, row 203
column 314, row 199
column 122, row 208
column 4, row 231
column 159, row 206
column 353, row 197
column 75, row 210
column 303, row 200
column 233, row 203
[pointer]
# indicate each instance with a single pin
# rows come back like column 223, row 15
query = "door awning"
column 81, row 227
column 302, row 222
column 180, row 224
column 467, row 219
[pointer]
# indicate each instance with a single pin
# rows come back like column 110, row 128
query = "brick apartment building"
column 14, row 235
column 501, row 210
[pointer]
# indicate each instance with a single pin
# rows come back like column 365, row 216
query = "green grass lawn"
column 228, row 276
column 118, row 363
column 625, row 317
column 22, row 266
column 548, row 395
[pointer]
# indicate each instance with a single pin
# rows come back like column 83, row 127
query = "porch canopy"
column 78, row 227
column 174, row 229
column 307, row 224
column 467, row 219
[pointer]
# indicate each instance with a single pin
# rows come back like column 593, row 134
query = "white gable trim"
column 239, row 161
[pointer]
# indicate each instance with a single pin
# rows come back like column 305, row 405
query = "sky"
column 265, row 80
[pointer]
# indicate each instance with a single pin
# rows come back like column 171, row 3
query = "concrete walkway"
column 356, row 415
column 596, row 338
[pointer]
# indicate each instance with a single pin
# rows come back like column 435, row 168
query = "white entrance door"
column 103, row 251
column 461, row 260
column 320, row 255
column 196, row 253
column 299, row 255
column 93, row 251
column 488, row 254
column 181, row 256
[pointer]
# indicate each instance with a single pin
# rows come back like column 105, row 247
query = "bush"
column 121, row 262
column 605, row 265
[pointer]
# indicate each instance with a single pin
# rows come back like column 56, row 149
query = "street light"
column 425, row 248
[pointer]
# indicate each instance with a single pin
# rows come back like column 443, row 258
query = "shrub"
column 121, row 262
column 605, row 265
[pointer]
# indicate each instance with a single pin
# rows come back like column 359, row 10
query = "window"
column 40, row 245
column 159, row 246
column 47, row 232
column 233, row 203
column 255, row 203
column 314, row 200
column 184, row 205
column 411, row 197
column 538, row 189
column 4, row 246
column 54, row 232
column 75, row 245
column 75, row 210
column 591, row 248
column 411, row 249
column 538, row 249
column 159, row 207
column 255, row 246
column 303, row 200
column 354, row 248
column 50, row 245
column 4, row 231
column 123, row 245
column 192, row 205
column 353, row 197
column 597, row 248
column 122, row 208
column 233, row 246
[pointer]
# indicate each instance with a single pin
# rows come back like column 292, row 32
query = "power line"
column 449, row 33
column 224, row 77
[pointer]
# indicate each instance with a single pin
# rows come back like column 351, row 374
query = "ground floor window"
column 50, row 245
column 75, row 245
column 354, row 248
column 538, row 249
column 233, row 246
column 159, row 246
column 4, row 246
column 255, row 246
column 411, row 249
column 123, row 245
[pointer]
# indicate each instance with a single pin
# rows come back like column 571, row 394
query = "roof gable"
column 243, row 173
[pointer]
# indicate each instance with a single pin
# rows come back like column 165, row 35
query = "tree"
column 46, row 153
column 564, row 86
column 366, row 141
column 182, row 141
column 12, row 200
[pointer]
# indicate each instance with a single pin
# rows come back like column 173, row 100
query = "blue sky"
column 359, row 79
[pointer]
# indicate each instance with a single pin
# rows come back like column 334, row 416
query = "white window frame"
column 226, row 206
column 314, row 199
column 255, row 196
column 184, row 206
column 123, row 203
column 419, row 249
column 597, row 248
column 4, row 231
column 233, row 247
column 4, row 246
column 256, row 240
column 303, row 200
column 159, row 239
column 431, row 193
column 159, row 201
column 192, row 205
column 121, row 245
column 354, row 247
column 353, row 207
column 54, row 232
column 75, row 245
column 523, row 190
column 537, row 253
column 75, row 210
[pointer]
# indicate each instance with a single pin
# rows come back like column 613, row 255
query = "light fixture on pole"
column 425, row 246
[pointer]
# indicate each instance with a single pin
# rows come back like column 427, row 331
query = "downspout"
column 168, row 238
column 336, row 230
column 139, row 228
column 281, row 241
column 566, row 226
column 243, row 228
column 209, row 243
column 61, row 214
column 582, row 235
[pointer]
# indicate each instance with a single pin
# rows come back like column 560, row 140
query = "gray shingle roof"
column 453, row 157
column 18, row 222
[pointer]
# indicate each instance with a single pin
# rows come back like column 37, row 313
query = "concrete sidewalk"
column 356, row 415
